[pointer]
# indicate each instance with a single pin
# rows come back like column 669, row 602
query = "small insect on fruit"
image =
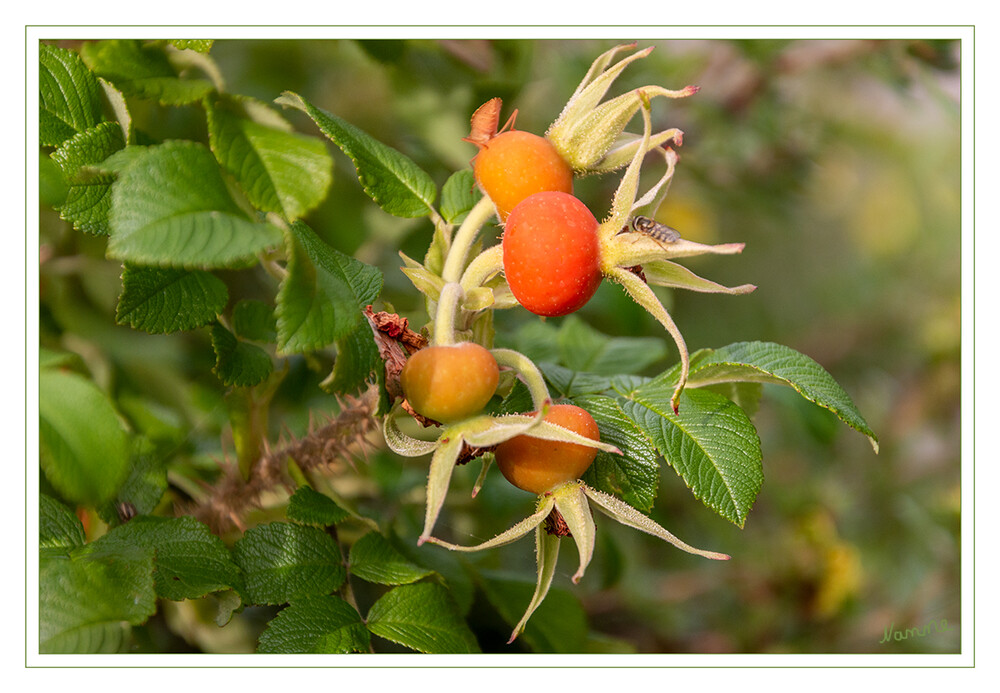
column 654, row 229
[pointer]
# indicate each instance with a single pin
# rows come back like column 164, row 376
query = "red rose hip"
column 550, row 253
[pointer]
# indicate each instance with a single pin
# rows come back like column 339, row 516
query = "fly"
column 654, row 229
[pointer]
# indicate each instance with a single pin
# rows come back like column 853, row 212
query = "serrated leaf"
column 143, row 71
column 145, row 484
column 86, row 599
column 84, row 449
column 314, row 508
column 423, row 617
column 570, row 383
column 69, row 96
column 374, row 559
column 711, row 444
column 190, row 561
column 321, row 297
column 320, row 625
column 282, row 561
column 358, row 361
column 160, row 300
column 59, row 529
column 280, row 171
column 632, row 476
column 582, row 348
column 237, row 362
column 459, row 195
column 390, row 178
column 559, row 625
column 254, row 320
column 766, row 362
column 88, row 198
column 171, row 208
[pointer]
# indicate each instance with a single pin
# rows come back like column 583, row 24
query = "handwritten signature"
column 890, row 633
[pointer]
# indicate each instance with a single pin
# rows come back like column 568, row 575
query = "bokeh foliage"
column 836, row 162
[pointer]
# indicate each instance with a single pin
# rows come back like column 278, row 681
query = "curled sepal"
column 627, row 145
column 438, row 479
column 546, row 556
column 486, row 431
column 625, row 195
column 545, row 505
column 402, row 444
column 632, row 248
column 481, row 479
column 586, row 130
column 665, row 273
column 644, row 296
column 571, row 502
column 630, row 517
column 482, row 268
column 528, row 371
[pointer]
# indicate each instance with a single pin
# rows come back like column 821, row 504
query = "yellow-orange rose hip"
column 538, row 465
column 449, row 383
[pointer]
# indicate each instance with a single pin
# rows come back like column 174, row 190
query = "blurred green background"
column 837, row 162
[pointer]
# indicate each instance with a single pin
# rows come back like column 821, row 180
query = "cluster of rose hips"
column 551, row 260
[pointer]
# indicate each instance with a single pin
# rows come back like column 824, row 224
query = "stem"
column 465, row 237
column 528, row 370
column 444, row 320
column 483, row 267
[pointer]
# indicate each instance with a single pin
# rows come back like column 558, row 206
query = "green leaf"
column 237, row 362
column 59, row 529
column 711, row 444
column 84, row 449
column 320, row 625
column 163, row 300
column 171, row 208
column 88, row 199
column 390, row 178
column 765, row 362
column 321, row 297
column 374, row 559
column 459, row 195
column 632, row 476
column 254, row 320
column 280, row 171
column 558, row 625
column 358, row 361
column 570, row 383
column 143, row 71
column 423, row 617
column 311, row 507
column 283, row 561
column 86, row 599
column 145, row 484
column 190, row 561
column 69, row 96
column 583, row 348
